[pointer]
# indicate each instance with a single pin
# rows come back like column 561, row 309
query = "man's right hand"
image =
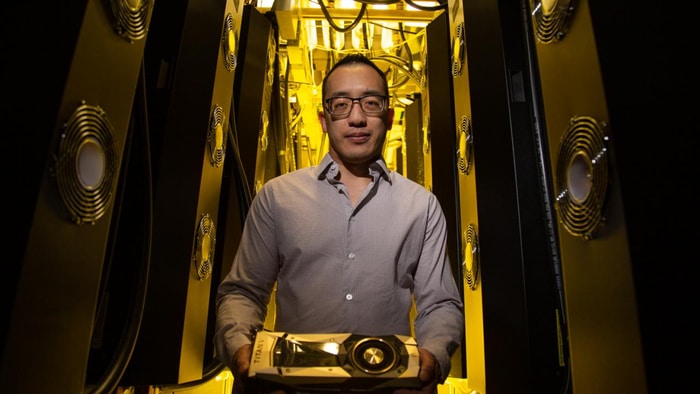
column 242, row 384
column 240, row 367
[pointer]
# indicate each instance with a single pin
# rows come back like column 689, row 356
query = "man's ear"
column 389, row 118
column 322, row 120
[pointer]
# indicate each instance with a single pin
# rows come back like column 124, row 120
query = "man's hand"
column 240, row 367
column 242, row 384
column 429, row 374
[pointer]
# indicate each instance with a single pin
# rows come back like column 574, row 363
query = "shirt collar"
column 328, row 168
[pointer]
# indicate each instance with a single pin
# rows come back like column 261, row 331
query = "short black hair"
column 353, row 58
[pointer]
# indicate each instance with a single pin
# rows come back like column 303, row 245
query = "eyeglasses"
column 371, row 105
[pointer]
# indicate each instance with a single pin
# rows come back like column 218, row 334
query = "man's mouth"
column 358, row 138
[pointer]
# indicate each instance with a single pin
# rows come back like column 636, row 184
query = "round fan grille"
column 216, row 137
column 464, row 150
column 204, row 247
column 229, row 43
column 131, row 18
column 458, row 51
column 374, row 355
column 582, row 171
column 470, row 265
column 86, row 164
column 551, row 19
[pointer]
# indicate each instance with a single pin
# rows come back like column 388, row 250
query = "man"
column 349, row 244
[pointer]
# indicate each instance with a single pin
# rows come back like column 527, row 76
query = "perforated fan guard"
column 229, row 43
column 470, row 264
column 464, row 147
column 86, row 164
column 131, row 18
column 217, row 137
column 551, row 19
column 582, row 177
column 205, row 243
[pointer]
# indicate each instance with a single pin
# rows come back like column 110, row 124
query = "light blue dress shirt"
column 342, row 269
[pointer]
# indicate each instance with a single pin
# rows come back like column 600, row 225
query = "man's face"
column 357, row 138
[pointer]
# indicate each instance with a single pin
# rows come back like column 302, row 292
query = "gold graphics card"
column 335, row 362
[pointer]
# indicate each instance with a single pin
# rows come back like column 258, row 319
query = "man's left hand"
column 429, row 374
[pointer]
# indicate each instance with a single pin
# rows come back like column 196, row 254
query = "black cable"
column 442, row 6
column 399, row 63
column 354, row 23
column 109, row 381
column 547, row 203
column 243, row 188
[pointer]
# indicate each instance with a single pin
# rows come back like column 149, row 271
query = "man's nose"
column 359, row 107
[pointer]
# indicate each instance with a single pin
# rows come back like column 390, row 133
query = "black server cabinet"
column 69, row 83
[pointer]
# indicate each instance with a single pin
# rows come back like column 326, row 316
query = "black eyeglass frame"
column 384, row 101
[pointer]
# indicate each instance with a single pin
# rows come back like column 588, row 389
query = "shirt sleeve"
column 243, row 295
column 439, row 324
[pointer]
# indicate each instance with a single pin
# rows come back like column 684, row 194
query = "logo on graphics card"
column 258, row 351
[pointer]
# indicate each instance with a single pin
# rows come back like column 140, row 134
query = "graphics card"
column 335, row 362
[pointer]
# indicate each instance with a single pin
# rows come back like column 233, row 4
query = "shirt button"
column 351, row 255
column 348, row 297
